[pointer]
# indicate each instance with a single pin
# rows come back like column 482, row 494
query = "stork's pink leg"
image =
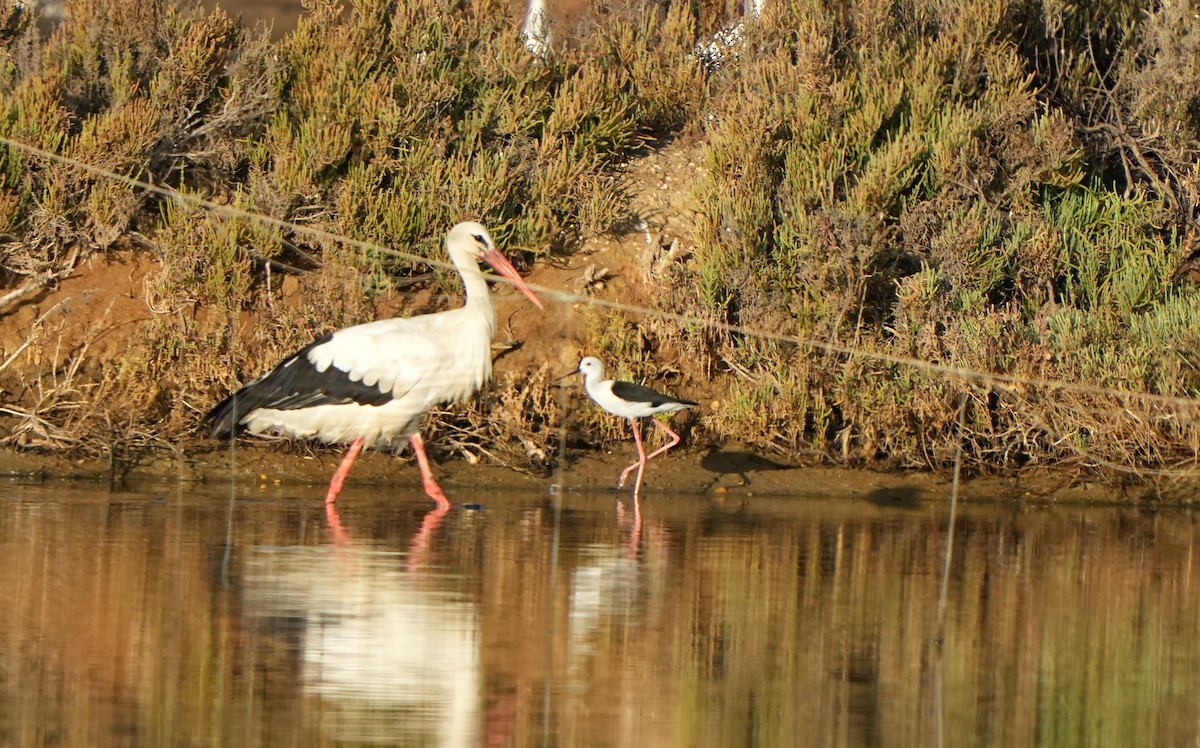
column 640, row 464
column 339, row 475
column 672, row 443
column 431, row 486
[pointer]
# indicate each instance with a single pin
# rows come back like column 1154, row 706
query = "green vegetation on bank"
column 998, row 186
column 990, row 185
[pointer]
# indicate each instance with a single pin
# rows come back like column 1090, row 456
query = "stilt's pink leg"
column 640, row 464
column 339, row 476
column 668, row 445
column 637, row 437
column 431, row 486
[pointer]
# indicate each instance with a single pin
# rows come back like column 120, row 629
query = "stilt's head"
column 592, row 369
column 470, row 241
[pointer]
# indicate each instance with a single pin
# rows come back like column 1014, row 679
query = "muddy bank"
column 729, row 474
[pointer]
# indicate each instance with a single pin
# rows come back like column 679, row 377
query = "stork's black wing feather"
column 636, row 393
column 295, row 383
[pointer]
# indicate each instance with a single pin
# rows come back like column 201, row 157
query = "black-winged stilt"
column 632, row 401
column 373, row 383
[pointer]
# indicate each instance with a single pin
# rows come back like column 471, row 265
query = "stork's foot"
column 432, row 489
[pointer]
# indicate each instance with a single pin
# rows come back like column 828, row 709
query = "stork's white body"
column 373, row 383
column 422, row 361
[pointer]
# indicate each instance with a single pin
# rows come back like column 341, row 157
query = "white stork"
column 632, row 401
column 373, row 383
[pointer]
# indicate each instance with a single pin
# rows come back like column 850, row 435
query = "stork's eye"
column 479, row 238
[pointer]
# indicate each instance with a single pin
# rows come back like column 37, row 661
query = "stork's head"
column 471, row 240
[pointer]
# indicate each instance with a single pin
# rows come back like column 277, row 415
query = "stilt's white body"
column 632, row 401
column 601, row 390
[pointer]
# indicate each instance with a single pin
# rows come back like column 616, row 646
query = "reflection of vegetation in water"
column 823, row 632
column 805, row 623
column 998, row 186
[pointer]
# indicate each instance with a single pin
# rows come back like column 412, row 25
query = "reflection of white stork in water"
column 392, row 660
column 418, row 547
column 373, row 383
column 632, row 401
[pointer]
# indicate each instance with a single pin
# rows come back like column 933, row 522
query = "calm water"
column 181, row 618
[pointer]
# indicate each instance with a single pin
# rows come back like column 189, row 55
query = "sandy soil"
column 617, row 267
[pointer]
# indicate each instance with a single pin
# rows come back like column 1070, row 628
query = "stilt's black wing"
column 636, row 393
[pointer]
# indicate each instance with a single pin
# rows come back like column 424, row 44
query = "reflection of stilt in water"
column 619, row 618
column 606, row 588
column 605, row 592
column 635, row 533
column 615, row 615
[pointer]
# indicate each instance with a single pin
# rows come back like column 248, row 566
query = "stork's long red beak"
column 502, row 266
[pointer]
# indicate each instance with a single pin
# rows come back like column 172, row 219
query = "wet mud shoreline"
column 727, row 474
